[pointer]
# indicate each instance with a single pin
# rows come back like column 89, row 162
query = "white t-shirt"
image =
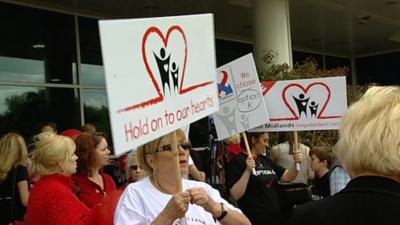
column 286, row 160
column 190, row 161
column 141, row 203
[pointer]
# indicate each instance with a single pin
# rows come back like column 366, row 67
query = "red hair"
column 86, row 144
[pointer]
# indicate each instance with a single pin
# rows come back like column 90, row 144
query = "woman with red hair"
column 91, row 184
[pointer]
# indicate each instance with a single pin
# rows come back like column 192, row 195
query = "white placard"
column 241, row 103
column 308, row 104
column 160, row 75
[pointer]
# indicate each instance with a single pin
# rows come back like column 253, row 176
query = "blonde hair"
column 150, row 149
column 370, row 133
column 234, row 139
column 12, row 152
column 51, row 152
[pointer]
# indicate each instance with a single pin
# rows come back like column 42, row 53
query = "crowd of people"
column 63, row 178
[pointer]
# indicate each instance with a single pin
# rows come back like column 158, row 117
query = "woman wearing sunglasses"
column 156, row 199
column 132, row 168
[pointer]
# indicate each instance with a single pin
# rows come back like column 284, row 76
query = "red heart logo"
column 305, row 91
column 183, row 89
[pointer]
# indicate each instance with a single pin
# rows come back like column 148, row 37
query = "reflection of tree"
column 24, row 113
column 99, row 117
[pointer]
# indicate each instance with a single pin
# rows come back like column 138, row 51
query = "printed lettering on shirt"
column 190, row 221
column 316, row 197
column 263, row 172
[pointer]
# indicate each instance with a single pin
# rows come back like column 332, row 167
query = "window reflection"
column 96, row 109
column 21, row 69
column 92, row 70
column 37, row 43
column 93, row 75
column 22, row 109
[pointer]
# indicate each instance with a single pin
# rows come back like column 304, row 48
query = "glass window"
column 96, row 109
column 227, row 51
column 23, row 109
column 301, row 57
column 93, row 75
column 380, row 69
column 333, row 62
column 92, row 70
column 12, row 68
column 36, row 45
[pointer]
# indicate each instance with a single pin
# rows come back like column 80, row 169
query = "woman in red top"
column 233, row 146
column 51, row 200
column 91, row 185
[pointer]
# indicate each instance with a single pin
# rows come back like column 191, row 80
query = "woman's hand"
column 202, row 176
column 250, row 164
column 298, row 156
column 175, row 208
column 200, row 197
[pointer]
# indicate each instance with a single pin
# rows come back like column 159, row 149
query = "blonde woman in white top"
column 157, row 200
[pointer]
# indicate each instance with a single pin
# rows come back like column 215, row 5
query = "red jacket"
column 91, row 193
column 233, row 150
column 52, row 201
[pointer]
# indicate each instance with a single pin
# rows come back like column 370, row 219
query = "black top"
column 5, row 196
column 260, row 201
column 366, row 200
column 321, row 187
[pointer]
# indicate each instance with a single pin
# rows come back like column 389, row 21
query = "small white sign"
column 308, row 104
column 241, row 102
column 160, row 75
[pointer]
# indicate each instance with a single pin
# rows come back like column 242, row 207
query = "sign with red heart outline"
column 307, row 104
column 160, row 75
column 305, row 91
column 183, row 89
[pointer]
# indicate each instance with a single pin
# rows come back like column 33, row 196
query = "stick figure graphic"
column 228, row 120
column 244, row 120
column 301, row 103
column 163, row 68
column 174, row 75
column 313, row 108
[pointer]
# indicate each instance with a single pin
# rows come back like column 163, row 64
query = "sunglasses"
column 134, row 167
column 168, row 147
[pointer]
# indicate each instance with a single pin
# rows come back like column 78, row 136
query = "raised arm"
column 275, row 153
column 239, row 188
column 292, row 172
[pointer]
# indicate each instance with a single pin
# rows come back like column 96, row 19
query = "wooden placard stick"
column 175, row 152
column 296, row 148
column 246, row 144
